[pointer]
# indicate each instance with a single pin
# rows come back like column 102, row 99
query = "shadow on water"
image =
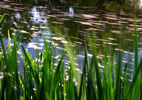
column 80, row 21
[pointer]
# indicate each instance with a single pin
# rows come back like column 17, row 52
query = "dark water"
column 111, row 21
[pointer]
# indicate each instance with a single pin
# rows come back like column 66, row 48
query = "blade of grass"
column 136, row 46
column 97, row 70
column 82, row 94
column 2, row 17
column 90, row 91
column 118, row 81
column 15, row 66
column 105, row 71
column 135, row 78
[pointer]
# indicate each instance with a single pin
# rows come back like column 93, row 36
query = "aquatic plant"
column 1, row 18
column 41, row 80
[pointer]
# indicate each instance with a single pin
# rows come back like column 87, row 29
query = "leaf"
column 2, row 17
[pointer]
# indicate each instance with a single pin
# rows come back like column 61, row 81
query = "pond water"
column 109, row 21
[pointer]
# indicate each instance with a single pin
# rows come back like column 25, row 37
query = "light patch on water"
column 112, row 18
column 18, row 16
column 11, row 44
column 60, row 48
column 101, row 66
column 41, row 40
column 81, row 56
column 71, row 11
column 34, row 29
column 37, row 16
column 19, row 61
column 90, row 55
column 1, row 75
column 41, row 44
column 139, row 29
column 78, row 70
column 100, row 57
column 116, row 32
column 65, row 42
column 23, row 31
column 34, row 46
column 35, row 34
column 118, row 49
column 78, row 42
column 111, row 38
column 15, row 23
column 127, row 52
column 57, row 38
column 140, row 3
column 55, row 64
column 56, row 22
column 67, row 77
column 75, row 81
column 88, row 16
column 44, row 27
column 86, row 23
column 58, row 56
column 110, row 43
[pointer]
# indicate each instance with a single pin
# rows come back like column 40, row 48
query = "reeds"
column 41, row 80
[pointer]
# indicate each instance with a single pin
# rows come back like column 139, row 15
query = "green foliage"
column 41, row 80
column 136, row 46
column 1, row 18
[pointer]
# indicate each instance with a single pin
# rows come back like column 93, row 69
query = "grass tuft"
column 42, row 80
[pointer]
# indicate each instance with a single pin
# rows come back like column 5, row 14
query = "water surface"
column 109, row 23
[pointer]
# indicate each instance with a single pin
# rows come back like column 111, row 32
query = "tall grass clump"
column 42, row 80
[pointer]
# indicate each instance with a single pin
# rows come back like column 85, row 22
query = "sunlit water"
column 30, row 24
column 140, row 3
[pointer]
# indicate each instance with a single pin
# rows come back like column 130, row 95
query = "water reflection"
column 57, row 26
column 140, row 3
column 18, row 16
column 71, row 11
column 36, row 15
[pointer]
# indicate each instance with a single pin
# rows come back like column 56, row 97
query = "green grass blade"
column 4, row 51
column 9, row 44
column 118, row 81
column 31, row 66
column 98, row 77
column 90, row 88
column 105, row 83
column 15, row 66
column 135, row 78
column 59, row 67
column 2, row 17
column 59, row 77
column 125, row 82
column 97, row 70
column 110, row 80
column 136, row 46
column 82, row 94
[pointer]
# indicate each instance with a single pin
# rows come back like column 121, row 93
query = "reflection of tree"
column 15, row 26
column 20, row 24
column 73, row 29
column 70, row 31
column 123, row 39
column 69, row 27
